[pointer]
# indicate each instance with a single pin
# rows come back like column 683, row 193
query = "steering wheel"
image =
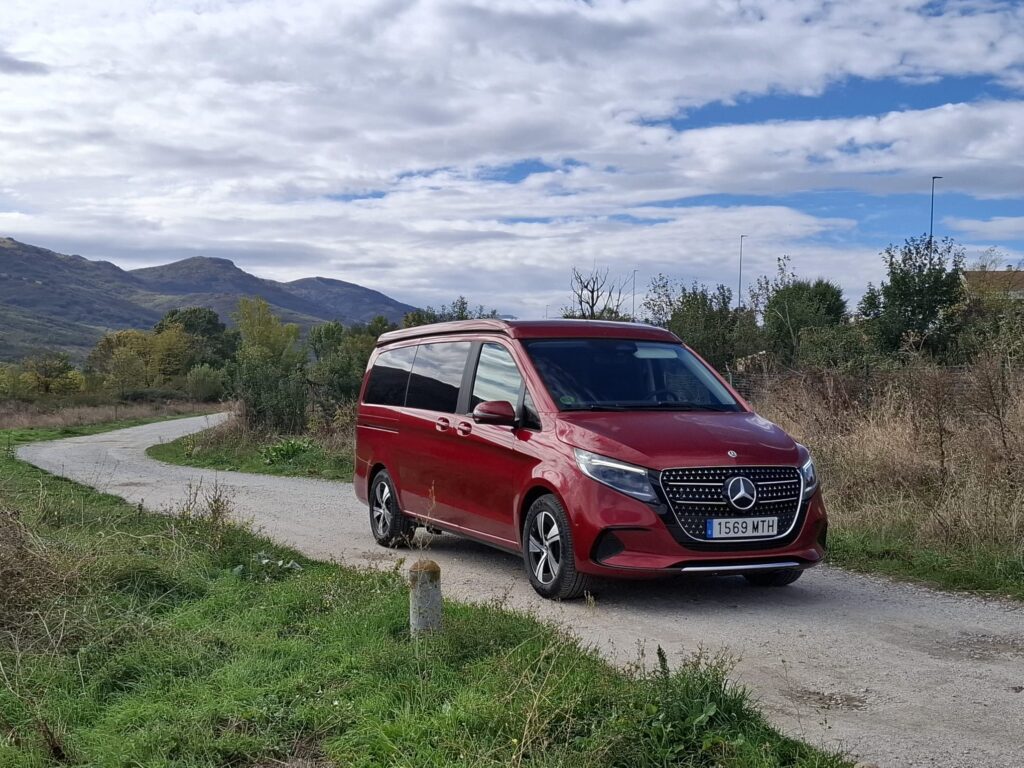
column 669, row 394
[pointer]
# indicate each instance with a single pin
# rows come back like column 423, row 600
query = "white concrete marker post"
column 425, row 608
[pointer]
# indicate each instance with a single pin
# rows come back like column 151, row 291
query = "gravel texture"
column 898, row 675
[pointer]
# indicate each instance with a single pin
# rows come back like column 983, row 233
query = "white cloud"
column 155, row 128
column 996, row 228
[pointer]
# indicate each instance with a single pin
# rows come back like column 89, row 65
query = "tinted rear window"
column 437, row 376
column 390, row 377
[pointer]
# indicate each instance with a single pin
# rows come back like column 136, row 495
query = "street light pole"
column 931, row 218
column 632, row 315
column 739, row 283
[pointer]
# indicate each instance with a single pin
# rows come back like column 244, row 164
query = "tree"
column 260, row 328
column 270, row 380
column 126, row 370
column 51, row 373
column 341, row 357
column 703, row 317
column 798, row 305
column 595, row 296
column 172, row 355
column 211, row 342
column 460, row 309
column 921, row 299
column 138, row 343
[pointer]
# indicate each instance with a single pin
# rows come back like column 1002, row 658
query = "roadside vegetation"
column 128, row 638
column 911, row 401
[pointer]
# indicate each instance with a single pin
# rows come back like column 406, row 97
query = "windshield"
column 615, row 374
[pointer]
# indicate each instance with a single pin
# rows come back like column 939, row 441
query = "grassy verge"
column 898, row 553
column 941, row 503
column 135, row 639
column 234, row 448
column 15, row 414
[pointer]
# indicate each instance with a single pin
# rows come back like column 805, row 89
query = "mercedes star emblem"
column 741, row 493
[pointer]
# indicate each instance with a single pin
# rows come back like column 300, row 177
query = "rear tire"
column 778, row 578
column 548, row 554
column 388, row 524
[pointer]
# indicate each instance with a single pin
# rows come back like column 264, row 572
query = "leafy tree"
column 921, row 299
column 797, row 305
column 171, row 356
column 703, row 317
column 211, row 341
column 137, row 343
column 270, row 379
column 260, row 328
column 325, row 338
column 51, row 373
column 341, row 356
column 126, row 370
column 459, row 309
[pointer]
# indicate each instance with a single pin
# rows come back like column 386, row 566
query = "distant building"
column 989, row 281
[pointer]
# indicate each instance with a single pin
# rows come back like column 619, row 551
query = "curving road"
column 896, row 674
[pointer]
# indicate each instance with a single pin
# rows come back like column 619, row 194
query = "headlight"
column 625, row 478
column 810, row 476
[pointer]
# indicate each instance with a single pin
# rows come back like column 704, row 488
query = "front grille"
column 696, row 494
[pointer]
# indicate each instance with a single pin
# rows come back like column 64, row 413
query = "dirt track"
column 896, row 674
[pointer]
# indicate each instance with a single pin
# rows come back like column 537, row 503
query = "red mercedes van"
column 588, row 448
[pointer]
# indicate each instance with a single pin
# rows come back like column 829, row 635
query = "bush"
column 273, row 398
column 286, row 451
column 204, row 383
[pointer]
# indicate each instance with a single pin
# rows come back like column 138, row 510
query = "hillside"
column 48, row 299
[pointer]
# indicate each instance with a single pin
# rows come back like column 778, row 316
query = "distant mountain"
column 48, row 299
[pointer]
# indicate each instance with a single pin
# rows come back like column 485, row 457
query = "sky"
column 432, row 148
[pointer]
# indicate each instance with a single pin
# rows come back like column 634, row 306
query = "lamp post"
column 632, row 314
column 739, row 283
column 931, row 218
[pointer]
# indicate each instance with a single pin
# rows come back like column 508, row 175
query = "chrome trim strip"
column 739, row 568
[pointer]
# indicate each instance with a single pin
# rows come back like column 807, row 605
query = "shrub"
column 205, row 383
column 286, row 451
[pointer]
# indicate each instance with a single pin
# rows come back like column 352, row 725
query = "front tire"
column 548, row 553
column 778, row 578
column 388, row 524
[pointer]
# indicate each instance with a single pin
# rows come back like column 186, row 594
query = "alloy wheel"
column 545, row 545
column 382, row 509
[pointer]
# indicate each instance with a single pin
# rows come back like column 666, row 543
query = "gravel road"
column 898, row 675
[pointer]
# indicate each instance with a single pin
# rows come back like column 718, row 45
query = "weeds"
column 921, row 472
column 159, row 651
column 326, row 452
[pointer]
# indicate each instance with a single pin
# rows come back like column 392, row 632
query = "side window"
column 497, row 377
column 437, row 376
column 389, row 377
column 531, row 419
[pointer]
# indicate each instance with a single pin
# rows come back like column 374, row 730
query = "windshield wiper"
column 596, row 407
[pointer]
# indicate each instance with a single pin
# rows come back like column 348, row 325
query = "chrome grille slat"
column 695, row 494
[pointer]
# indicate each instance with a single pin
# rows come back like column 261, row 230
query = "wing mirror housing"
column 497, row 412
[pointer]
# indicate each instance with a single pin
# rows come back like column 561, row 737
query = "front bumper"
column 618, row 536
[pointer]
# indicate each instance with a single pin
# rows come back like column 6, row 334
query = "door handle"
column 464, row 428
column 443, row 424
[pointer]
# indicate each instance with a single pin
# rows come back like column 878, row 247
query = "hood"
column 660, row 439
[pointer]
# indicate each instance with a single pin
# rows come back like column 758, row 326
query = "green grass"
column 178, row 641
column 232, row 450
column 996, row 571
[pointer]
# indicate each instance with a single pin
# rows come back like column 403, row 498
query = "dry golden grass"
column 935, row 455
column 15, row 414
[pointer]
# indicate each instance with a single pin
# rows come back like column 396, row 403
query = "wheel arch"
column 532, row 494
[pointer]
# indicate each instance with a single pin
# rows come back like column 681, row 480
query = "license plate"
column 738, row 527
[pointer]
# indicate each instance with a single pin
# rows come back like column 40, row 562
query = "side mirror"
column 498, row 412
